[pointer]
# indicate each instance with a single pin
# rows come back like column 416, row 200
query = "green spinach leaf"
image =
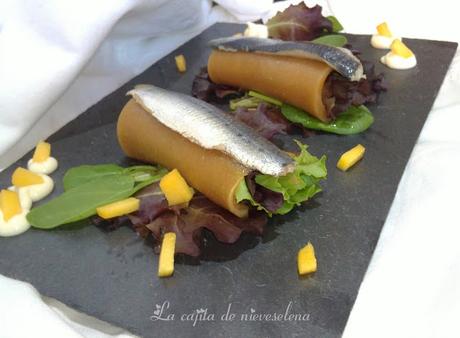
column 146, row 178
column 81, row 201
column 79, row 175
column 352, row 121
column 334, row 40
column 145, row 173
column 90, row 186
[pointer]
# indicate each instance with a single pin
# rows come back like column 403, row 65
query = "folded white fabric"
column 26, row 314
column 412, row 286
column 59, row 57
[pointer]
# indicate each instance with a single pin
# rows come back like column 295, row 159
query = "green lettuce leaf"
column 352, row 121
column 296, row 187
column 334, row 40
column 336, row 25
column 246, row 102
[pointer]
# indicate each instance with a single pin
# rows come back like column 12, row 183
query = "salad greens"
column 78, row 175
column 299, row 23
column 295, row 187
column 302, row 23
column 336, row 25
column 265, row 98
column 352, row 121
column 245, row 102
column 84, row 173
column 89, row 187
column 252, row 100
column 335, row 40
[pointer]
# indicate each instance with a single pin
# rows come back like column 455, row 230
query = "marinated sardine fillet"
column 210, row 149
column 212, row 128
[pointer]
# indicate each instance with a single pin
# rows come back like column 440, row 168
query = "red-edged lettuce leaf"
column 265, row 119
column 152, row 204
column 269, row 199
column 347, row 93
column 299, row 23
column 377, row 81
column 202, row 214
column 204, row 89
column 155, row 217
column 268, row 120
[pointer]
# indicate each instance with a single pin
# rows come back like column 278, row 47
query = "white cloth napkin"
column 59, row 57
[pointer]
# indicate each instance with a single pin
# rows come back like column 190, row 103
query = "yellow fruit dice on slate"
column 348, row 159
column 180, row 63
column 166, row 261
column 176, row 190
column 119, row 208
column 306, row 260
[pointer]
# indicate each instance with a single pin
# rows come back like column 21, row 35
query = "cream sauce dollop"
column 396, row 61
column 18, row 224
column 45, row 167
column 15, row 225
column 382, row 41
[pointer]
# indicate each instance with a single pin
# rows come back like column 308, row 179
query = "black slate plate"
column 113, row 275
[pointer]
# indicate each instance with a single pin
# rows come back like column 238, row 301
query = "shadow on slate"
column 112, row 275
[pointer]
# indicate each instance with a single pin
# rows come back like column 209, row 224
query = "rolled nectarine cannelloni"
column 211, row 172
column 292, row 80
column 216, row 154
column 293, row 72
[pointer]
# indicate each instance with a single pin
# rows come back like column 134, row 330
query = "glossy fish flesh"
column 340, row 59
column 212, row 128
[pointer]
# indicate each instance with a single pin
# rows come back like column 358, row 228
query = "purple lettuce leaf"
column 266, row 119
column 201, row 214
column 270, row 200
column 356, row 93
column 299, row 23
column 204, row 89
column 155, row 217
column 152, row 203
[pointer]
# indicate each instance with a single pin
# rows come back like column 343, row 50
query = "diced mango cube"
column 175, row 188
column 42, row 152
column 119, row 208
column 383, row 29
column 306, row 260
column 10, row 204
column 23, row 177
column 349, row 158
column 398, row 47
column 166, row 261
column 180, row 63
